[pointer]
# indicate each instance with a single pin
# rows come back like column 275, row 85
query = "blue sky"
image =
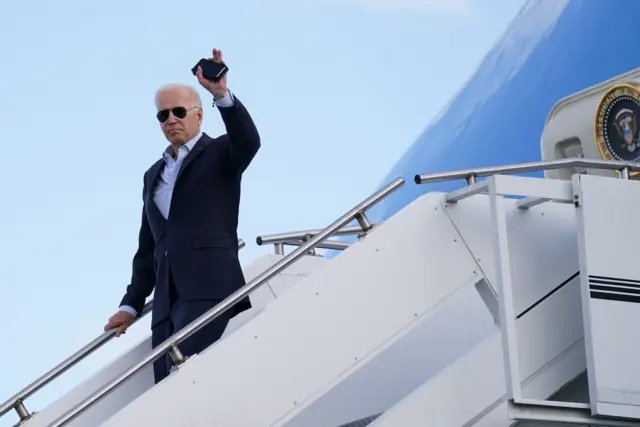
column 338, row 89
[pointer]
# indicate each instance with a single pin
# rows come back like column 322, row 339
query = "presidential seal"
column 617, row 124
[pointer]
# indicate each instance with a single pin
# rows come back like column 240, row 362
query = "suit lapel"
column 193, row 154
column 156, row 171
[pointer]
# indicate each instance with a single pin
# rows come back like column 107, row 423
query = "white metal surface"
column 454, row 327
column 283, row 281
column 320, row 332
column 543, row 344
column 144, row 380
column 532, row 233
column 457, row 396
column 610, row 281
column 542, row 247
column 569, row 130
column 472, row 392
column 525, row 336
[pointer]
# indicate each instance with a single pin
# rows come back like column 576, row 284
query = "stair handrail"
column 471, row 174
column 17, row 400
column 295, row 235
column 327, row 244
column 297, row 238
column 170, row 345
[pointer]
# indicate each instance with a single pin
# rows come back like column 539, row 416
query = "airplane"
column 425, row 310
column 549, row 51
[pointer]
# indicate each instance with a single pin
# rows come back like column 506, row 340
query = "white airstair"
column 572, row 357
column 507, row 301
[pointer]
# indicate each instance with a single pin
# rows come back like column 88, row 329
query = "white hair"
column 195, row 96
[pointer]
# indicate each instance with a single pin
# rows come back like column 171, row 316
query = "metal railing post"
column 176, row 355
column 305, row 239
column 22, row 411
column 624, row 173
column 363, row 222
column 278, row 248
column 471, row 179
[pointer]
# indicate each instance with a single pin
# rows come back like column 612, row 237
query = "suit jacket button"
column 166, row 253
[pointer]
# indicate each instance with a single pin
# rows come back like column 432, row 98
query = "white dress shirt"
column 163, row 191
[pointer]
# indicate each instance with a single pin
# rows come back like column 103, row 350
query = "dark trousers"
column 182, row 313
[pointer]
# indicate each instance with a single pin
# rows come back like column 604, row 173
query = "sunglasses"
column 178, row 112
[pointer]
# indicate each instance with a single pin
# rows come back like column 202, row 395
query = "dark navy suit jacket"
column 198, row 244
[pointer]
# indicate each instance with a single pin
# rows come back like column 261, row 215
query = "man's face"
column 172, row 104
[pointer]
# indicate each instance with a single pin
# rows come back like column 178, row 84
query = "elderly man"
column 188, row 244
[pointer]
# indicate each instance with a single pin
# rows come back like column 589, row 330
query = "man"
column 188, row 243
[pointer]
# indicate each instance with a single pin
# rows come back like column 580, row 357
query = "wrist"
column 219, row 94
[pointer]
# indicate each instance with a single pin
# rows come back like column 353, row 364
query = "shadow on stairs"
column 361, row 422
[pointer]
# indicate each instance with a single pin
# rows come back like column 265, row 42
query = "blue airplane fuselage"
column 552, row 48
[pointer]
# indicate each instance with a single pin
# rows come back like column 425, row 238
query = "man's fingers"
column 200, row 77
column 217, row 55
column 111, row 324
column 121, row 330
column 121, row 320
column 114, row 322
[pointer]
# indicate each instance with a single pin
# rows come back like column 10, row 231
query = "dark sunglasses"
column 178, row 112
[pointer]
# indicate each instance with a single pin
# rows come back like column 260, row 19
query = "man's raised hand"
column 217, row 89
